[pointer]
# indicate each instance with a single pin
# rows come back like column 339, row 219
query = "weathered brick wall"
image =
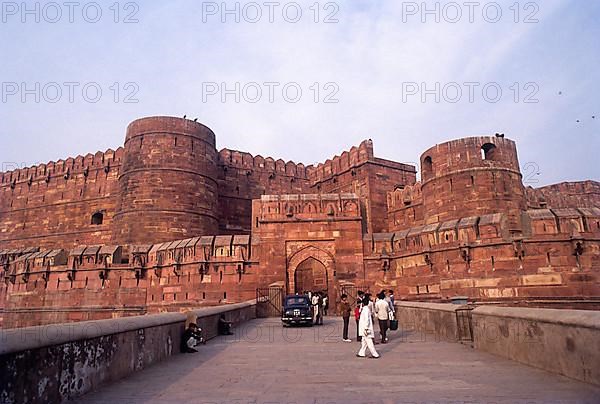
column 384, row 176
column 243, row 177
column 52, row 204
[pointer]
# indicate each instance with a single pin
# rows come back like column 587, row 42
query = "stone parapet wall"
column 60, row 362
column 436, row 321
column 565, row 342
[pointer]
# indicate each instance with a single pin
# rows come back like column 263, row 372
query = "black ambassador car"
column 296, row 310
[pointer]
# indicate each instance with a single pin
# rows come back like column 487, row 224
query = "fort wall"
column 53, row 204
column 565, row 195
column 168, row 223
column 358, row 171
column 559, row 257
column 243, row 177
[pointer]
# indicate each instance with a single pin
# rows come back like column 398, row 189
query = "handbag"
column 393, row 325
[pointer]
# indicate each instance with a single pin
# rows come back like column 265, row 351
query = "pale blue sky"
column 369, row 53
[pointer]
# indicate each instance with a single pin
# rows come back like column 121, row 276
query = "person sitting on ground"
column 224, row 326
column 192, row 336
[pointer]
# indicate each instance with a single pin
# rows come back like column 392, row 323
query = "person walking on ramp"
column 365, row 325
column 315, row 305
column 346, row 310
column 382, row 310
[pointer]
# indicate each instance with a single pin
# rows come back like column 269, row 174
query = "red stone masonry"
column 243, row 177
column 167, row 223
column 167, row 184
column 53, row 204
column 472, row 176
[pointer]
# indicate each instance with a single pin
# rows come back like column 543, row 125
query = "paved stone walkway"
column 265, row 363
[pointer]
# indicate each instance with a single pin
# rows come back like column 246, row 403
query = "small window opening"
column 97, row 218
column 488, row 151
column 427, row 167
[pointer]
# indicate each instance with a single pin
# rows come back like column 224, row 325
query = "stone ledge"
column 577, row 318
column 22, row 339
column 449, row 307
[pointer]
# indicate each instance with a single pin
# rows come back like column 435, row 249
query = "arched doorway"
column 310, row 275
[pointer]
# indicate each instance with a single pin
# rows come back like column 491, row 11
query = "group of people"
column 193, row 336
column 365, row 311
column 320, row 305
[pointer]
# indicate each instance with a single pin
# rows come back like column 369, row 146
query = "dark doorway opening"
column 311, row 275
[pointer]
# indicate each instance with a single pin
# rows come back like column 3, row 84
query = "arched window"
column 97, row 218
column 488, row 151
column 426, row 168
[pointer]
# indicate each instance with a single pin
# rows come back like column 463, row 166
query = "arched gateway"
column 310, row 268
column 311, row 275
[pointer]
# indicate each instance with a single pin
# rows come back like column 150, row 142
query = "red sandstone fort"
column 167, row 223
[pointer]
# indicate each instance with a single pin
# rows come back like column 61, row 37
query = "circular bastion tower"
column 167, row 183
column 472, row 176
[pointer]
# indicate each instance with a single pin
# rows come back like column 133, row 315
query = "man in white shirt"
column 365, row 329
column 315, row 306
column 382, row 311
column 389, row 297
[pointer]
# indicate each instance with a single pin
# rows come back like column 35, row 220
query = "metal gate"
column 352, row 292
column 464, row 324
column 269, row 302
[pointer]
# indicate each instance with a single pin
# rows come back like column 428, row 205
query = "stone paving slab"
column 266, row 363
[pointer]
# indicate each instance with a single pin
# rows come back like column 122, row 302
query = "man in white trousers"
column 315, row 306
column 366, row 331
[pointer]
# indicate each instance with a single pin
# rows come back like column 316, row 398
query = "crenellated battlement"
column 70, row 168
column 344, row 162
column 244, row 160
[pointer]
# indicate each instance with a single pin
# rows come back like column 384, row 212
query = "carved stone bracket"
column 104, row 274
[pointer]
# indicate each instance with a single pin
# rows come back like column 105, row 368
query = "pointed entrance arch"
column 310, row 268
column 311, row 275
